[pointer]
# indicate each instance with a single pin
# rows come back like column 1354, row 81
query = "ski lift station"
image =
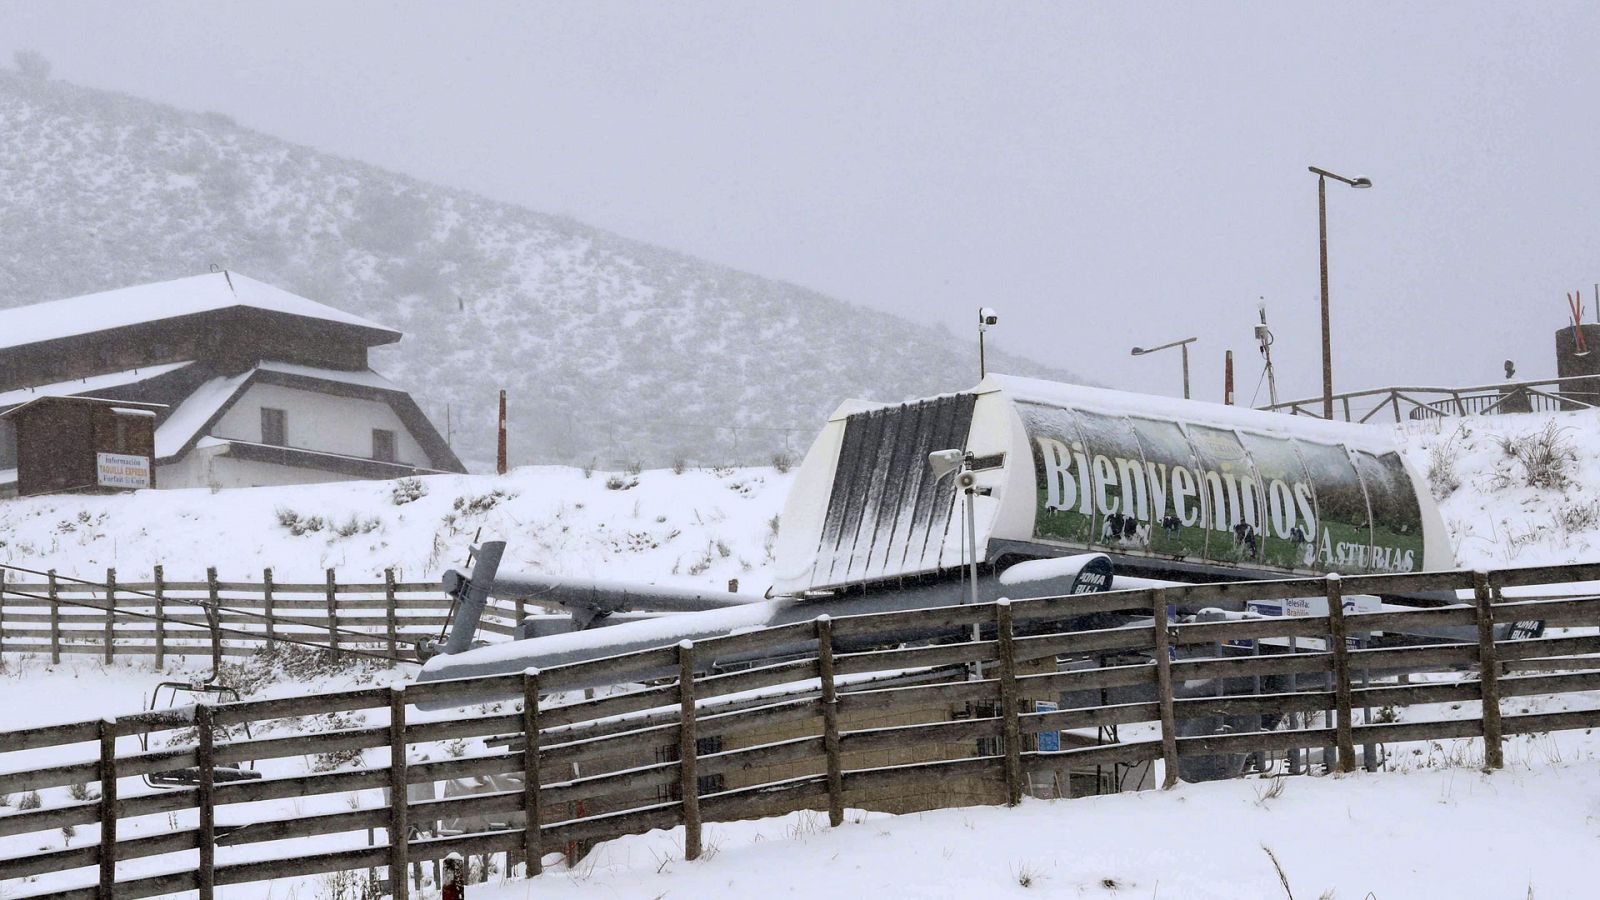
column 1168, row 488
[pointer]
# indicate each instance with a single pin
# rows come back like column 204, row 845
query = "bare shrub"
column 679, row 465
column 633, row 468
column 1546, row 458
column 1578, row 517
column 1442, row 475
column 619, row 483
column 30, row 800
column 783, row 462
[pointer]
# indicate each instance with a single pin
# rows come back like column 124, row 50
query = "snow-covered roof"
column 163, row 300
column 86, row 385
column 195, row 412
column 363, row 378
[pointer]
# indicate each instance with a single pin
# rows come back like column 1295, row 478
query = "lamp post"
column 1140, row 351
column 1322, row 223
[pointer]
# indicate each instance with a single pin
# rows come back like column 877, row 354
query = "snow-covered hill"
column 695, row 528
column 699, row 526
column 1514, row 490
column 610, row 349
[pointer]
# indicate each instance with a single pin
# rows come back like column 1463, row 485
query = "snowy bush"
column 783, row 462
column 1546, row 458
column 405, row 490
column 354, row 526
column 1442, row 476
column 298, row 524
column 619, row 483
column 30, row 800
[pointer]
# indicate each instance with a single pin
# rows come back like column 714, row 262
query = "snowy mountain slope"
column 610, row 348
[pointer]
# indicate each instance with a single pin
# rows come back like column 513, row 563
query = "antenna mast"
column 1264, row 336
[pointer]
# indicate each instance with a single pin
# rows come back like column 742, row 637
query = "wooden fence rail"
column 856, row 720
column 226, row 618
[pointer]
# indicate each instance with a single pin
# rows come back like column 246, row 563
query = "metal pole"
column 1327, row 340
column 972, row 570
column 983, row 367
column 1185, row 370
column 500, row 451
column 1227, row 378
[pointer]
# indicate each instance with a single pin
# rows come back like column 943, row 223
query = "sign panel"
column 1194, row 491
column 1049, row 741
column 120, row 470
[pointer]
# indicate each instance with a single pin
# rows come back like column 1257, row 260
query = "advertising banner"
column 1193, row 491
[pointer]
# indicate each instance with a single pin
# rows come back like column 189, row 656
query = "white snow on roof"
column 194, row 412
column 85, row 385
column 162, row 300
column 1377, row 438
column 363, row 378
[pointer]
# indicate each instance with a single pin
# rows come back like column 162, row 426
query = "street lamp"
column 1140, row 351
column 1322, row 222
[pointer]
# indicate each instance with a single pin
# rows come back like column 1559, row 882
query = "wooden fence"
column 1545, row 395
column 57, row 615
column 823, row 729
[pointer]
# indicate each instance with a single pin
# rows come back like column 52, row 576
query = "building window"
column 705, row 784
column 382, row 445
column 274, row 427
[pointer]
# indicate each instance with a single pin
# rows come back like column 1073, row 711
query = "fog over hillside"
column 611, row 349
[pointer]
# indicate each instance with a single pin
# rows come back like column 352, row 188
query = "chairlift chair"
column 175, row 778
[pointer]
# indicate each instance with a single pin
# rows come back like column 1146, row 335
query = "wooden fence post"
column 390, row 612
column 453, row 883
column 399, row 799
column 688, row 770
column 268, row 610
column 161, row 617
column 214, row 618
column 333, row 617
column 1169, row 722
column 109, row 809
column 205, row 764
column 532, row 810
column 111, row 613
column 1340, row 648
column 1010, row 731
column 1488, row 673
column 55, row 620
column 830, row 721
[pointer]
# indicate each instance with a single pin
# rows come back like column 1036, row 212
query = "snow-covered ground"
column 698, row 528
column 1432, row 826
column 1455, row 834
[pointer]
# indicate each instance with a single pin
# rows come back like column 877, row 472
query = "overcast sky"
column 1104, row 175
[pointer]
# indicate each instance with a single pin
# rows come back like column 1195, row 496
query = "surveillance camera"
column 987, row 316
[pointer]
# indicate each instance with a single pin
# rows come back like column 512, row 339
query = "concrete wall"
column 321, row 422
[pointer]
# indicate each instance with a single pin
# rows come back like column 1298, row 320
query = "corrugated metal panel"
column 886, row 515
